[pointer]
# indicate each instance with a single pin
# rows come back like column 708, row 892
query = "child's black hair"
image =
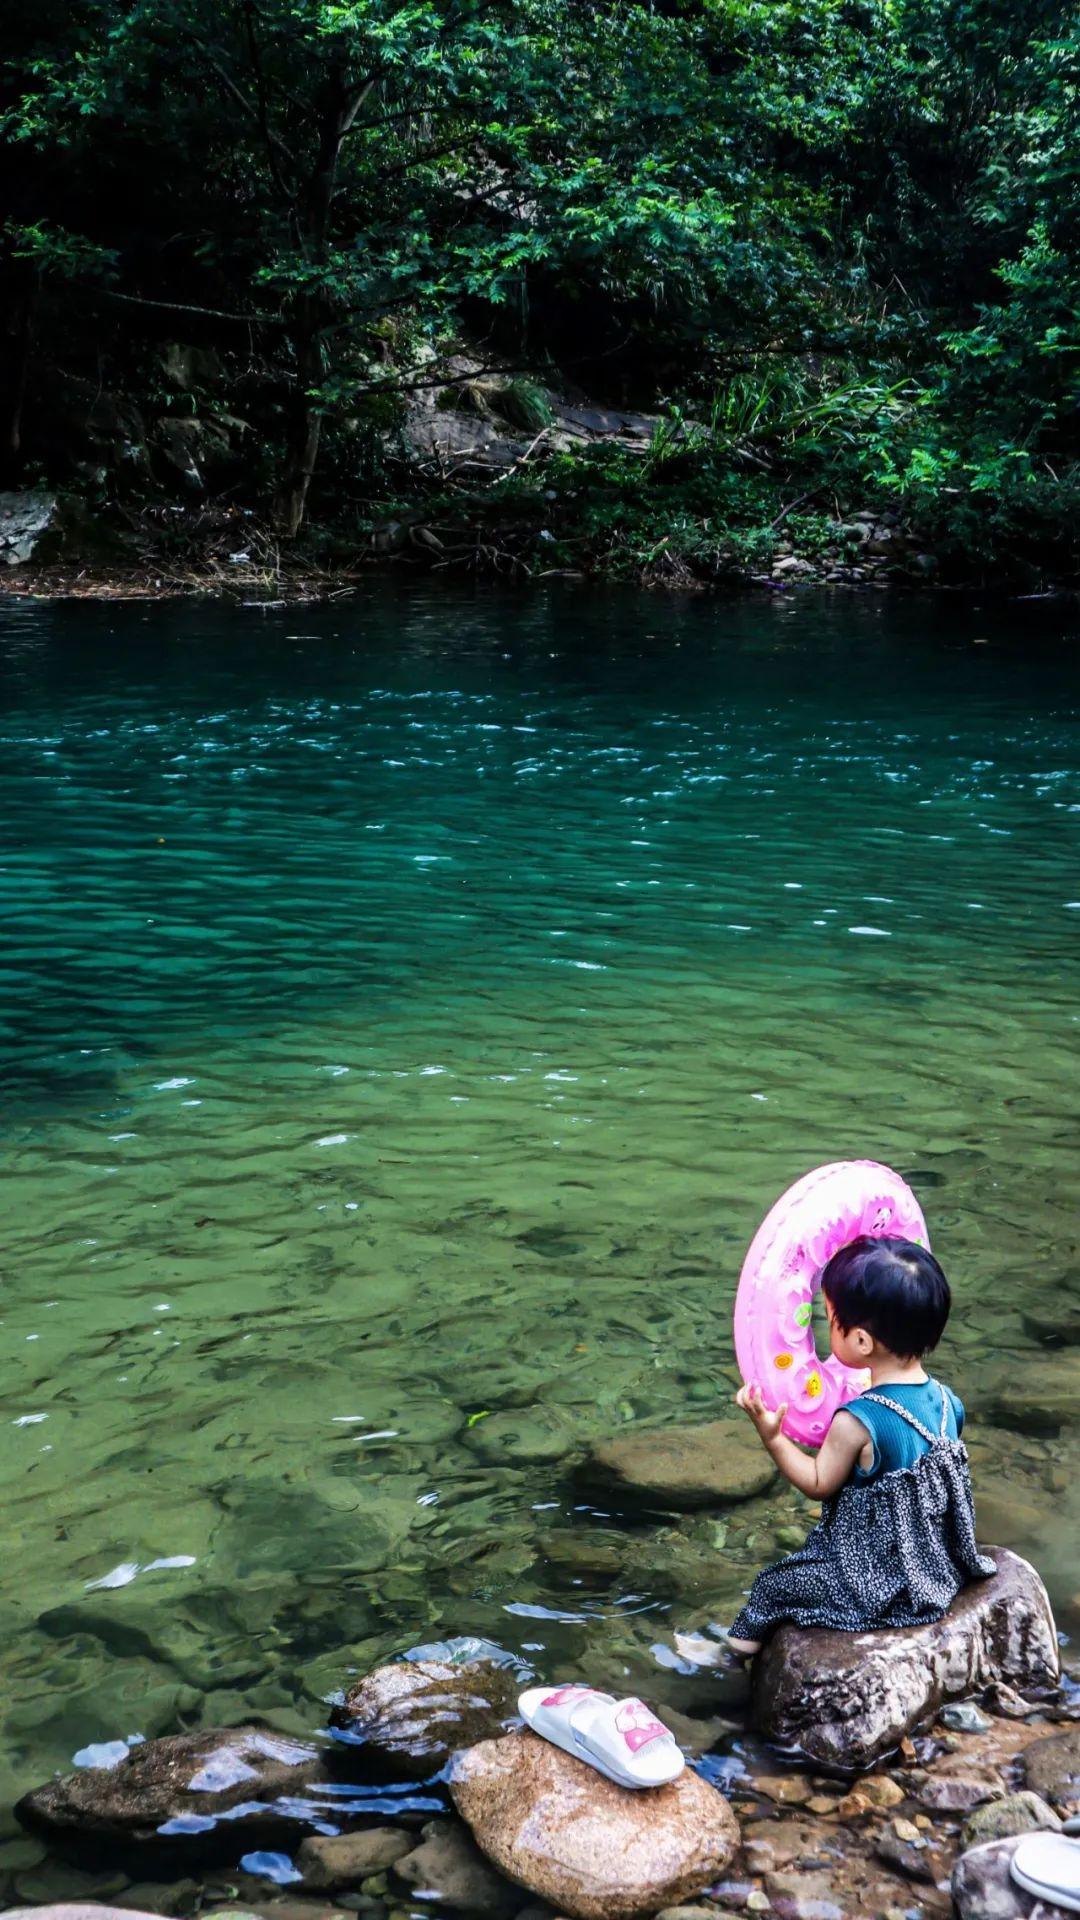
column 894, row 1289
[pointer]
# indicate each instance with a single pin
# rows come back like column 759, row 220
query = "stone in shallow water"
column 518, row 1437
column 845, row 1699
column 1052, row 1768
column 418, row 1712
column 448, row 1868
column 958, row 1792
column 344, row 1859
column 1016, row 1813
column 595, row 1851
column 186, row 1784
column 685, row 1467
column 1050, row 1399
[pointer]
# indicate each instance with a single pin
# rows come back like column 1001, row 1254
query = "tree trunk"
column 14, row 386
column 340, row 107
column 305, row 424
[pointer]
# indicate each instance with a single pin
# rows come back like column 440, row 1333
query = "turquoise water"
column 409, row 1008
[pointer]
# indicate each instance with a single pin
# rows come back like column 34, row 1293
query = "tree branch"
column 271, row 140
column 180, row 306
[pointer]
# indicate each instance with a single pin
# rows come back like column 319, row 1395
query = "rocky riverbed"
column 422, row 1798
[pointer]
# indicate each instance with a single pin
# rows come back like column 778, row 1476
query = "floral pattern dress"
column 889, row 1552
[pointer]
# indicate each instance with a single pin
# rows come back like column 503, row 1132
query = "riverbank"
column 870, row 553
column 493, row 477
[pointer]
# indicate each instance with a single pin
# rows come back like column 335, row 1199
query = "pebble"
column 910, row 1856
column 788, row 1789
column 873, row 1790
column 758, row 1902
column 907, row 1830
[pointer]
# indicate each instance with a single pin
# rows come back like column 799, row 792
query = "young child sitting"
column 896, row 1538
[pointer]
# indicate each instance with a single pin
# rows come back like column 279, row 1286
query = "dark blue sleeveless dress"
column 889, row 1551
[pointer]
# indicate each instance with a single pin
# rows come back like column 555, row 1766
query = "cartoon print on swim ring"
column 774, row 1340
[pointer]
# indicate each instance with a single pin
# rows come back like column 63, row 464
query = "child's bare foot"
column 745, row 1649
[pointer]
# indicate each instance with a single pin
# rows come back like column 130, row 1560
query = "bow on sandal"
column 622, row 1739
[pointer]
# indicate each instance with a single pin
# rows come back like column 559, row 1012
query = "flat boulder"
column 684, row 1467
column 185, row 1784
column 593, row 1850
column 417, row 1713
column 846, row 1699
column 1052, row 1769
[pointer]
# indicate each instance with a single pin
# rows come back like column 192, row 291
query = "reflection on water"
column 409, row 1010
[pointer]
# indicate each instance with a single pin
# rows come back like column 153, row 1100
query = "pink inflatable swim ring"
column 774, row 1338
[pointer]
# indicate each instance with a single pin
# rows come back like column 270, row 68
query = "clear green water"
column 408, row 1011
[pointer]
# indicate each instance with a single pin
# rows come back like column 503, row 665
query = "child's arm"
column 819, row 1474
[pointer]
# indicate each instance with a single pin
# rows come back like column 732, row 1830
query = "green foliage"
column 522, row 403
column 834, row 242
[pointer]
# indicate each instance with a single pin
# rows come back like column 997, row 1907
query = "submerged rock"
column 521, row 1436
column 1052, row 1768
column 590, row 1848
column 344, row 1859
column 449, row 1868
column 419, row 1712
column 1050, row 1399
column 685, row 1467
column 183, row 1785
column 845, row 1699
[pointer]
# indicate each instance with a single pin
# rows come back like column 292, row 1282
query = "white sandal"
column 1048, row 1865
column 622, row 1739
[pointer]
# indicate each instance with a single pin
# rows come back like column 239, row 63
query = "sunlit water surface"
column 408, row 1011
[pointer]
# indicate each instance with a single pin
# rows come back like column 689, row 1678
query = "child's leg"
column 745, row 1649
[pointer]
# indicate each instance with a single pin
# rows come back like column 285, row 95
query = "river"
column 410, row 1007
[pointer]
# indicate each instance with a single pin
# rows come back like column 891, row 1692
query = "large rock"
column 593, row 1850
column 685, row 1467
column 183, row 1785
column 418, row 1712
column 846, row 1699
column 1052, row 1768
column 30, row 527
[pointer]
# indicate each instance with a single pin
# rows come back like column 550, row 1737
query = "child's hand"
column 765, row 1420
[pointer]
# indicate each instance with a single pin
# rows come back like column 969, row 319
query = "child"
column 896, row 1538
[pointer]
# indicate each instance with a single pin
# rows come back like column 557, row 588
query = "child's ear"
column 864, row 1342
